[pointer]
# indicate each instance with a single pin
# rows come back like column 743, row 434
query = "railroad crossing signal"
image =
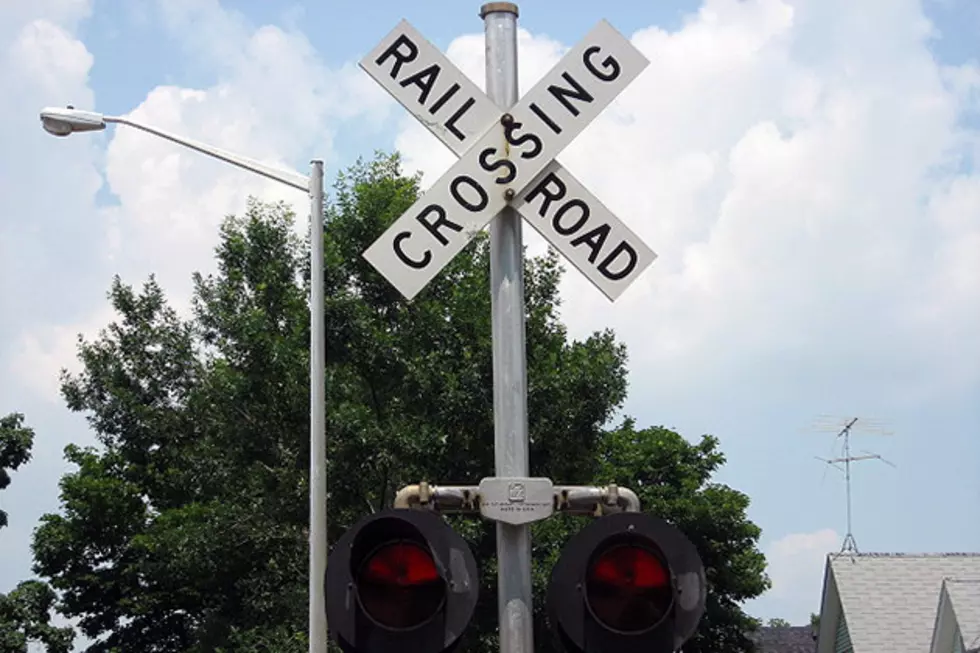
column 400, row 580
column 626, row 583
column 507, row 158
column 403, row 580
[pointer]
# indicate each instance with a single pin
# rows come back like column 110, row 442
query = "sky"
column 805, row 170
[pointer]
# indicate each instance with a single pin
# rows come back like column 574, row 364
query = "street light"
column 62, row 122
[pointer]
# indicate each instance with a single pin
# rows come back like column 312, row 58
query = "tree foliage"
column 186, row 528
column 25, row 612
column 16, row 441
column 25, row 615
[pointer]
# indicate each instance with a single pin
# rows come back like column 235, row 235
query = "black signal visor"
column 400, row 580
column 626, row 583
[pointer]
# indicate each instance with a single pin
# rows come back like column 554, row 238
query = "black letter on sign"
column 619, row 249
column 451, row 123
column 441, row 221
column 445, row 98
column 400, row 57
column 400, row 253
column 595, row 239
column 496, row 165
column 562, row 94
column 549, row 197
column 545, row 118
column 475, row 207
column 583, row 217
column 609, row 63
column 424, row 79
column 535, row 141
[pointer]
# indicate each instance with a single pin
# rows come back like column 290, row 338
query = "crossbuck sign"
column 507, row 158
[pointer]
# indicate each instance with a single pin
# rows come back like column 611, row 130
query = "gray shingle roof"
column 784, row 639
column 964, row 594
column 890, row 599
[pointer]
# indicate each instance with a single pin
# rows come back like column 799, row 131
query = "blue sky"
column 803, row 168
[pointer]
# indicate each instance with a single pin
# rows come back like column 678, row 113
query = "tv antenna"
column 843, row 428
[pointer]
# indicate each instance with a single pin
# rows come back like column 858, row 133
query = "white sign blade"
column 586, row 80
column 436, row 92
column 438, row 225
column 587, row 233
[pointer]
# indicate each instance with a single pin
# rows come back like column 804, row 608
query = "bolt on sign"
column 507, row 158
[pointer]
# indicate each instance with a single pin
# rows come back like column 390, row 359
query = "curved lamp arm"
column 62, row 122
column 294, row 179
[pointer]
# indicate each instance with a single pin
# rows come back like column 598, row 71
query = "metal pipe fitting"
column 572, row 499
column 584, row 499
column 444, row 498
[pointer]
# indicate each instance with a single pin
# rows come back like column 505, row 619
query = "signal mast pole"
column 510, row 442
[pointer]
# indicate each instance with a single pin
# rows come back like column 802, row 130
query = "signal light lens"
column 628, row 588
column 399, row 586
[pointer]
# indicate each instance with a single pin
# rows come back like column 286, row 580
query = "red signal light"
column 629, row 567
column 399, row 586
column 628, row 588
column 400, row 564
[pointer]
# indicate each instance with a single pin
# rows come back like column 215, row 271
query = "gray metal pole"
column 318, row 416
column 509, row 363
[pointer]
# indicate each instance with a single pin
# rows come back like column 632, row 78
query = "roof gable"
column 964, row 597
column 945, row 634
column 890, row 600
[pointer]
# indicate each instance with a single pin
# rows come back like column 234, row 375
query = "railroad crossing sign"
column 507, row 158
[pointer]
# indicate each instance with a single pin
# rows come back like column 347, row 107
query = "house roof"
column 784, row 639
column 889, row 599
column 964, row 594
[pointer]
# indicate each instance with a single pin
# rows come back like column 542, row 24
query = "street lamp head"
column 62, row 122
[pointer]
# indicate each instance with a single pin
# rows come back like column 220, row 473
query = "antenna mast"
column 850, row 544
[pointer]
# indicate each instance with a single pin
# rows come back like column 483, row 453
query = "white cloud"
column 66, row 13
column 796, row 567
column 275, row 102
column 47, row 185
column 797, row 173
column 41, row 353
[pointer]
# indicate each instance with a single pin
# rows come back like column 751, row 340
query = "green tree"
column 16, row 441
column 25, row 615
column 778, row 623
column 25, row 612
column 186, row 529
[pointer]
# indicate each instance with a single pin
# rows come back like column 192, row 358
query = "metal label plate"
column 517, row 500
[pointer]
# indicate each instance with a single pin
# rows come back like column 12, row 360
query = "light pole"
column 62, row 122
